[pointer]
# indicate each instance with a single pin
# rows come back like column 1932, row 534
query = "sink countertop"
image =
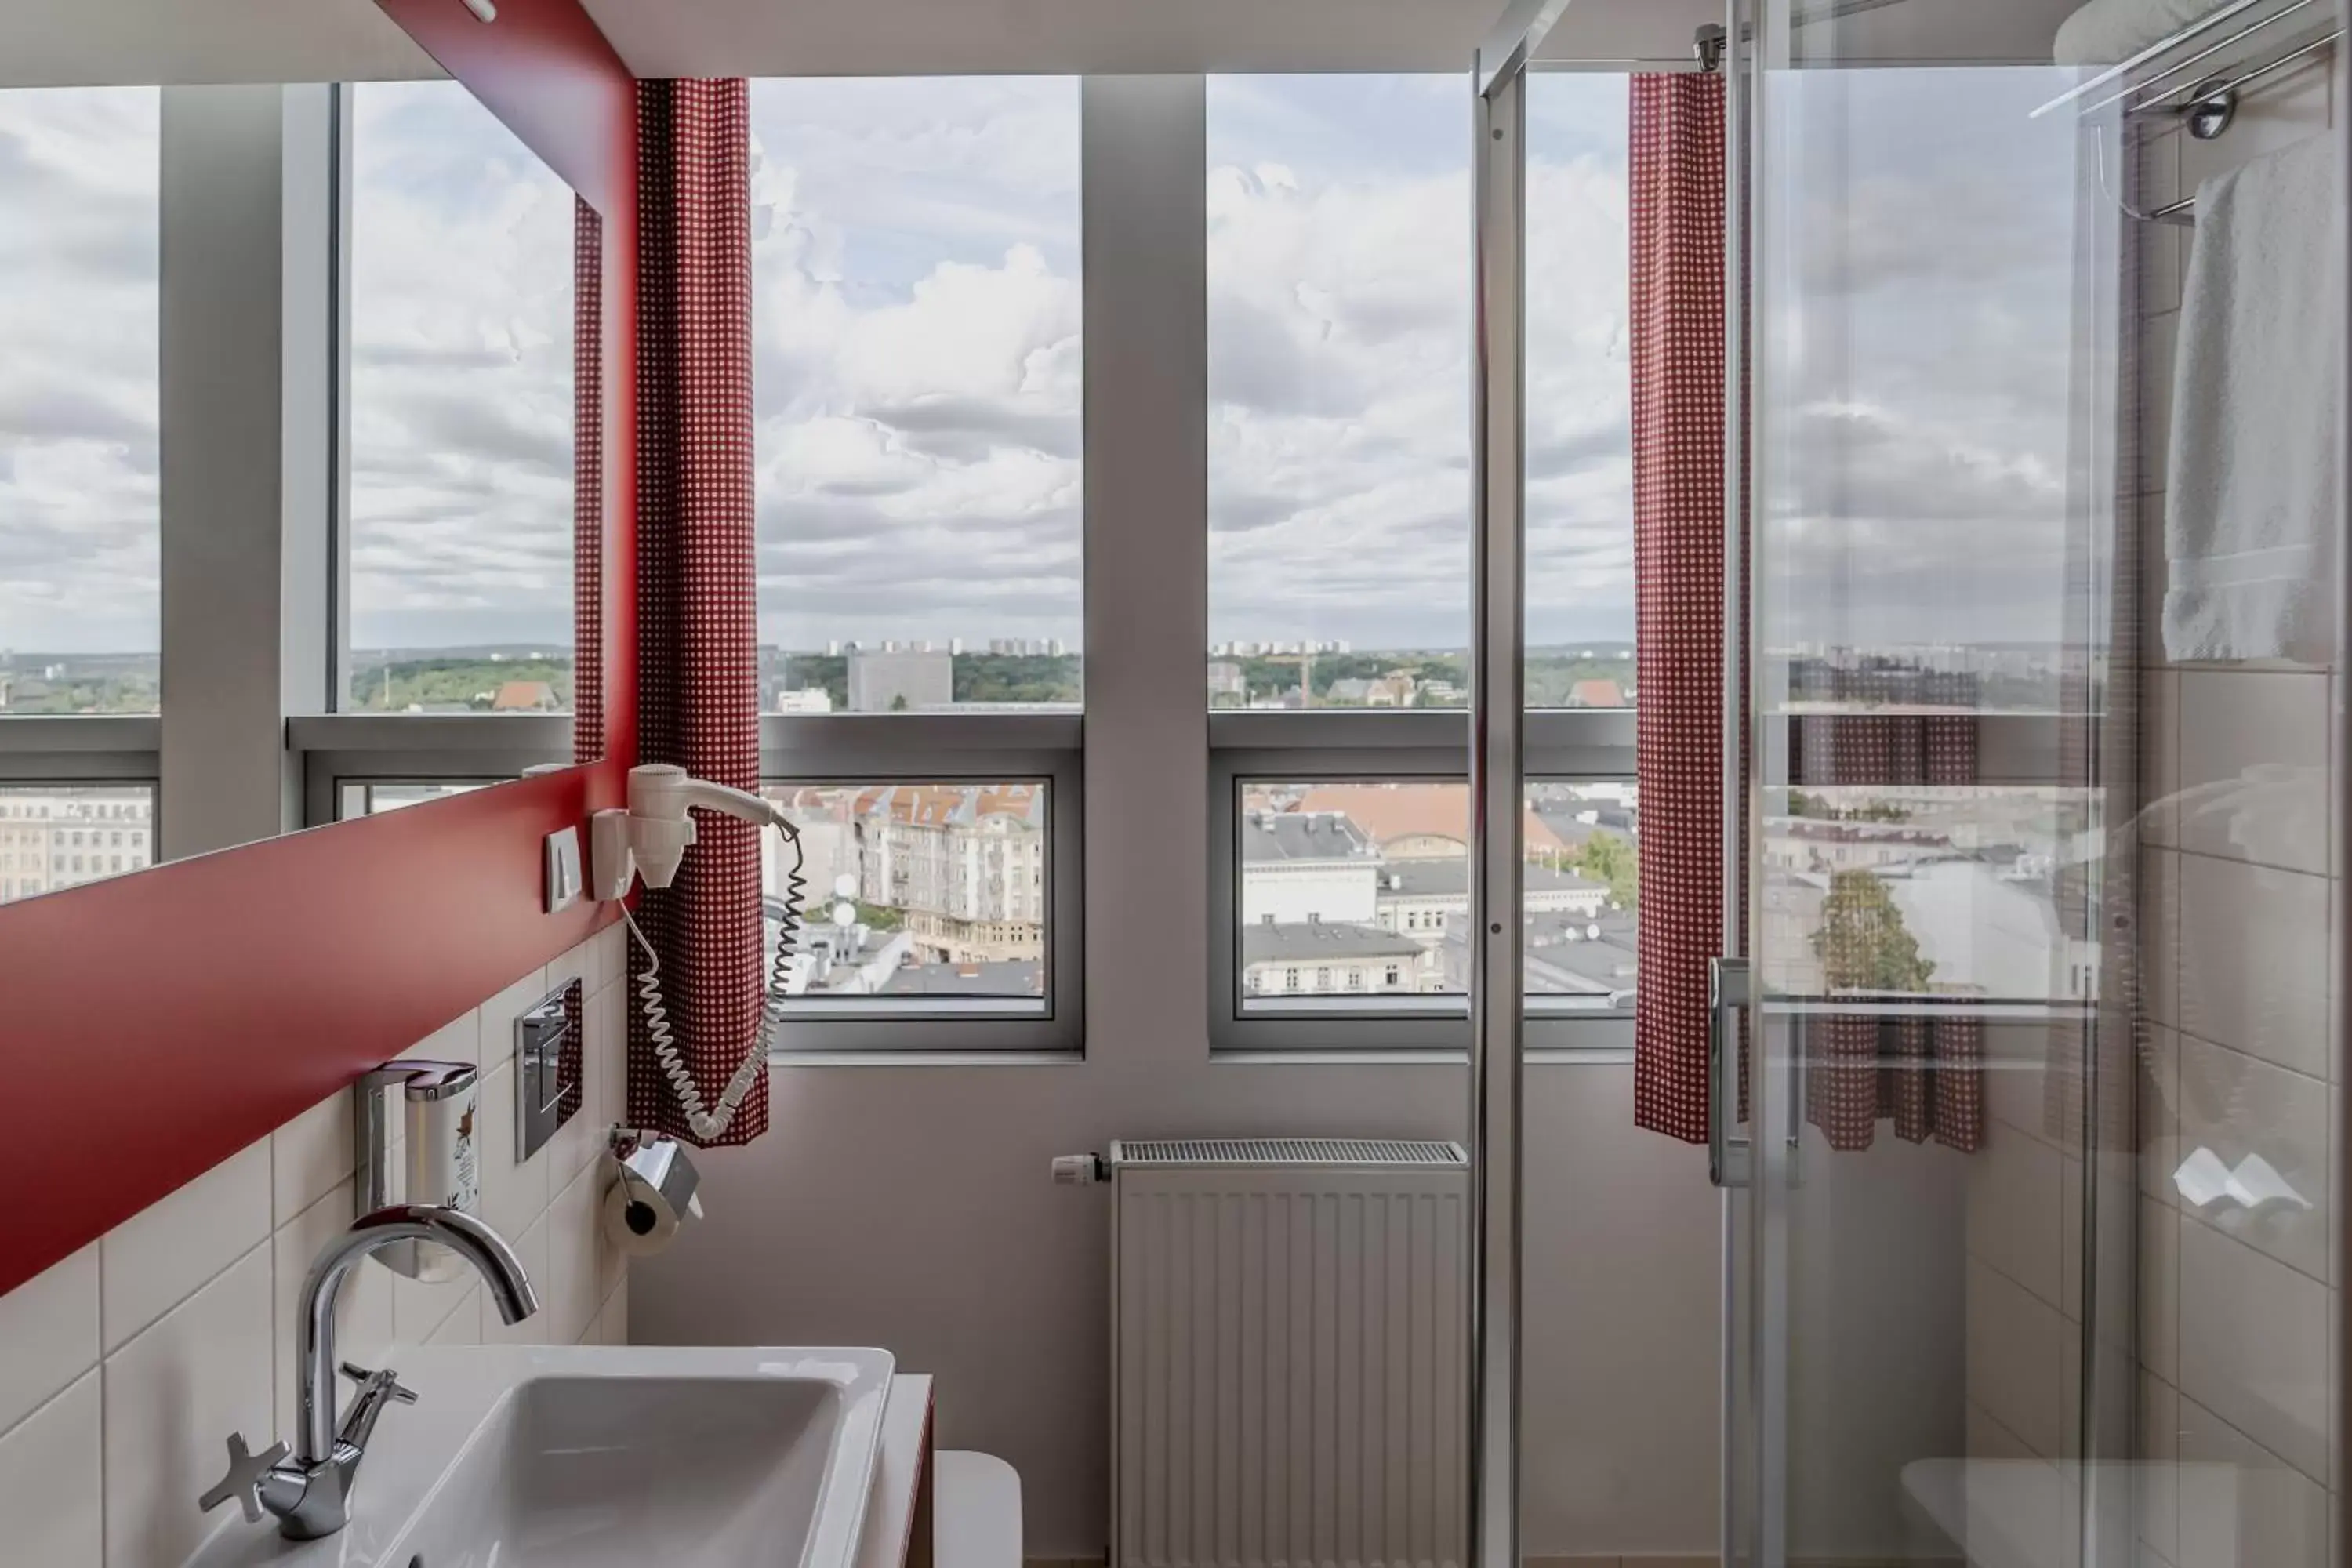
column 418, row 1449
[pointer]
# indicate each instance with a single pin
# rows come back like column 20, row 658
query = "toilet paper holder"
column 655, row 1192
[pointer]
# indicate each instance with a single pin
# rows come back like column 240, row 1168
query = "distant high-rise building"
column 1055, row 647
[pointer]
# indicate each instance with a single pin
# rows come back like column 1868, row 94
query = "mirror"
column 432, row 602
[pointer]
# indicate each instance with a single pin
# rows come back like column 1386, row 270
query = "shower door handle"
column 1729, row 1157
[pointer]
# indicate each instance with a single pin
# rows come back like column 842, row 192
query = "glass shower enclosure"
column 2028, row 1100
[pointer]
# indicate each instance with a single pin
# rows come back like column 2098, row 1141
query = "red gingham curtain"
column 1925, row 1074
column 1676, row 206
column 697, row 635
column 587, row 483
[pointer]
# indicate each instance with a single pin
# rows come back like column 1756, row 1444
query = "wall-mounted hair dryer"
column 651, row 837
column 648, row 840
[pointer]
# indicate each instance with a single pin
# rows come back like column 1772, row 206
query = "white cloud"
column 462, row 381
column 79, row 532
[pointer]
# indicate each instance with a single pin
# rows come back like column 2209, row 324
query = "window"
column 929, row 901
column 366, row 799
column 917, row 320
column 1579, row 433
column 915, row 257
column 1357, row 879
column 1340, row 549
column 39, row 823
column 460, row 518
column 1338, row 392
column 80, row 537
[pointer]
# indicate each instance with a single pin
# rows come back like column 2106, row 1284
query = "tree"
column 1605, row 857
column 899, row 702
column 1863, row 942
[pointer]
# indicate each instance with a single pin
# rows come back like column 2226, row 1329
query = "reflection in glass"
column 461, row 522
column 54, row 837
column 368, row 799
column 81, row 542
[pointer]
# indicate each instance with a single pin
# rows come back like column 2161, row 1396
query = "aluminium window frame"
column 870, row 749
column 1404, row 745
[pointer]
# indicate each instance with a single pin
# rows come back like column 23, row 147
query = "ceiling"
column 64, row 42
column 73, row 42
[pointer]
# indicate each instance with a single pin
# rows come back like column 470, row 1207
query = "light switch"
column 562, row 872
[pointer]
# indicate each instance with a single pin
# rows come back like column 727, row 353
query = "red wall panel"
column 153, row 1026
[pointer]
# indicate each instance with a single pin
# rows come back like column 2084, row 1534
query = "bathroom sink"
column 589, row 1455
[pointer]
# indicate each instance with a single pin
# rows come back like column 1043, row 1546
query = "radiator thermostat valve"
column 1079, row 1169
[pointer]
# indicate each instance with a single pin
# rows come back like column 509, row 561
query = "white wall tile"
column 419, row 1308
column 530, row 1246
column 500, row 1013
column 309, row 1155
column 2160, row 1289
column 568, row 1294
column 612, row 1321
column 464, row 1325
column 2255, row 961
column 608, row 1052
column 2159, row 756
column 2235, row 1107
column 2016, row 1196
column 458, row 1040
column 2159, row 1114
column 51, row 1470
column 2241, row 1506
column 2160, row 935
column 611, row 954
column 157, row 1258
column 48, row 1333
column 581, row 963
column 514, row 1190
column 173, row 1396
column 2254, row 766
column 2016, row 1357
column 2254, row 1345
column 2157, row 1466
column 363, row 1330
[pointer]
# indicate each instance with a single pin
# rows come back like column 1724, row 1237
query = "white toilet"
column 976, row 1512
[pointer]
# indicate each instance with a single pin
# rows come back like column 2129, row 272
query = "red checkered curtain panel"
column 1677, row 222
column 1924, row 1074
column 587, row 483
column 697, row 635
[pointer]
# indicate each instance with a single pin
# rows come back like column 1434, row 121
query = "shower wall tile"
column 2240, row 1504
column 123, row 1367
column 2016, row 1195
column 2235, row 1316
column 2254, row 766
column 2255, row 1345
column 2269, row 1125
column 2255, row 961
column 2017, row 1359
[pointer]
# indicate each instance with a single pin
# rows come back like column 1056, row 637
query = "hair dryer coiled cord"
column 703, row 1122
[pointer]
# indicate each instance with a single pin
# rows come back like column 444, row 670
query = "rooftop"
column 1434, row 878
column 1012, row 977
column 1303, row 835
column 1267, row 942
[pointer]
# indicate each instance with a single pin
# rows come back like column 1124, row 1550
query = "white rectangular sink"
column 590, row 1455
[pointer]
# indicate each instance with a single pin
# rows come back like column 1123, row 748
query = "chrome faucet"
column 310, row 1495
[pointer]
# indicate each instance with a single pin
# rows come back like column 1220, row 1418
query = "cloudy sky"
column 461, row 376
column 919, row 362
column 79, row 536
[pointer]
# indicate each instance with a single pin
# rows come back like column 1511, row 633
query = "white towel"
column 2250, row 505
column 2107, row 31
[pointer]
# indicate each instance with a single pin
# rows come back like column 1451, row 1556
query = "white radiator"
column 1288, row 1353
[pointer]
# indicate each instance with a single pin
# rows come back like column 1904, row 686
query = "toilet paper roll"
column 637, row 1219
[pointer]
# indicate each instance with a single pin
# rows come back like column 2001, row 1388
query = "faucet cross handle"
column 247, row 1472
column 384, row 1384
